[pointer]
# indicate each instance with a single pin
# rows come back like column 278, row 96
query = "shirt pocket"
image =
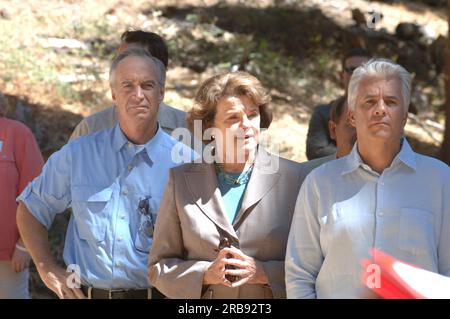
column 146, row 224
column 144, row 235
column 416, row 231
column 91, row 207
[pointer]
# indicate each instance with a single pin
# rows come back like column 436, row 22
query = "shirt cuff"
column 36, row 207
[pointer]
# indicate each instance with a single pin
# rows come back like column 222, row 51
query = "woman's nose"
column 246, row 121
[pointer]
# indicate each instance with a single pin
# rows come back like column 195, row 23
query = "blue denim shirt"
column 103, row 177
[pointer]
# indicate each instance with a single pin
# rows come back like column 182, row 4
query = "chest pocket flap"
column 91, row 209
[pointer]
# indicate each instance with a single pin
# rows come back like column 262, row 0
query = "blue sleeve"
column 304, row 253
column 50, row 193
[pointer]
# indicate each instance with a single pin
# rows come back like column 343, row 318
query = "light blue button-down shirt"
column 103, row 177
column 344, row 208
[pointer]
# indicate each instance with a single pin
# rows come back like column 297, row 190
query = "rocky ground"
column 55, row 57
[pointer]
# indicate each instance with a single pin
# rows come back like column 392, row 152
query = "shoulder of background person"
column 170, row 117
column 95, row 122
column 102, row 119
column 326, row 108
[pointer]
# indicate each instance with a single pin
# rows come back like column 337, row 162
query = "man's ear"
column 161, row 95
column 332, row 129
column 113, row 96
column 405, row 118
column 351, row 117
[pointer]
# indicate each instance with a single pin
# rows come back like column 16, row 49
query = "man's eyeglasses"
column 148, row 226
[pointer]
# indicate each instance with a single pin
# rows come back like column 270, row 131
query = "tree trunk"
column 445, row 151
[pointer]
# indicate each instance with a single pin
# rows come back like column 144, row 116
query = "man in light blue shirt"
column 113, row 180
column 381, row 195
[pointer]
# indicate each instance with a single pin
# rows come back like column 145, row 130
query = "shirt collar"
column 155, row 142
column 406, row 155
column 120, row 140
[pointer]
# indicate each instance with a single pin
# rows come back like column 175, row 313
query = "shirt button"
column 129, row 144
column 380, row 214
column 118, row 264
column 125, row 191
column 130, row 167
column 122, row 216
column 119, row 239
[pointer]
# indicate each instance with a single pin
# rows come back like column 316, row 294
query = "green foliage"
column 272, row 67
column 38, row 65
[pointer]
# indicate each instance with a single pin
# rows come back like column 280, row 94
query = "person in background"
column 20, row 162
column 341, row 131
column 319, row 142
column 169, row 118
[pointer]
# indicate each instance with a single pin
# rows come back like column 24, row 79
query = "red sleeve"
column 28, row 158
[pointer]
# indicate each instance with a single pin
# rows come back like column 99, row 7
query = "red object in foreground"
column 391, row 278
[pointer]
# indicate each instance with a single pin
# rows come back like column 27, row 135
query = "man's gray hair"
column 138, row 52
column 379, row 68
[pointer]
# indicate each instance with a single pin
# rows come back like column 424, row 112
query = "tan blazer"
column 192, row 220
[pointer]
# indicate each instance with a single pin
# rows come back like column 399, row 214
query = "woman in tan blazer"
column 223, row 225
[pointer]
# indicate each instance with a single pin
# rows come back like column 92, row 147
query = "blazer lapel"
column 264, row 177
column 203, row 186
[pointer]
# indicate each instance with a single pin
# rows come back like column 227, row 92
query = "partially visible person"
column 222, row 227
column 319, row 142
column 341, row 131
column 382, row 195
column 113, row 180
column 169, row 118
column 20, row 162
column 340, row 128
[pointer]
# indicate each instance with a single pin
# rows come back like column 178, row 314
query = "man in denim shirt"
column 169, row 118
column 113, row 180
column 381, row 195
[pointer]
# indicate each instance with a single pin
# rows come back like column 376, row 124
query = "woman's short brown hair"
column 228, row 84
